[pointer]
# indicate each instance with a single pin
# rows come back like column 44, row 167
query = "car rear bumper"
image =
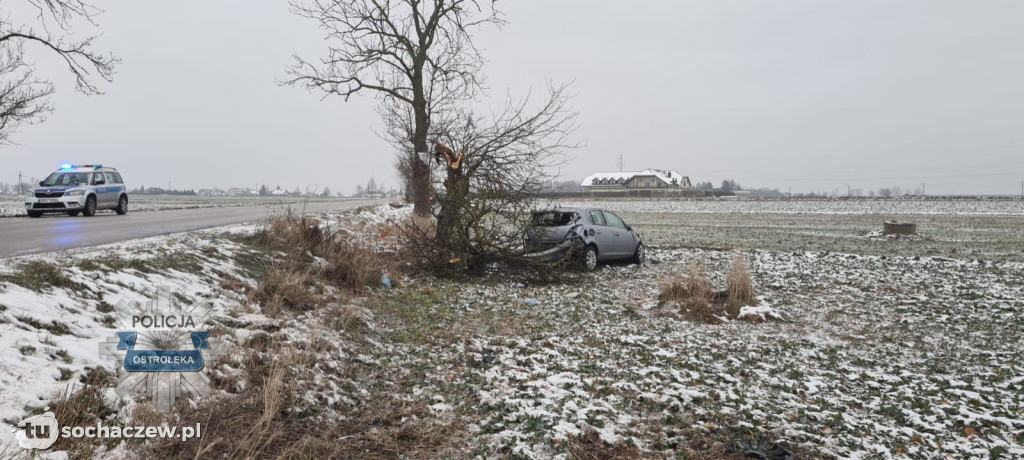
column 555, row 253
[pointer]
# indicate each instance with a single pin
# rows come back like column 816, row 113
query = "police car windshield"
column 58, row 179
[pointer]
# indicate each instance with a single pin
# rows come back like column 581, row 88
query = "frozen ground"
column 12, row 205
column 991, row 229
column 884, row 352
column 879, row 206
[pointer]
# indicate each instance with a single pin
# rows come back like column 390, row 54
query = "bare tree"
column 495, row 167
column 418, row 53
column 24, row 96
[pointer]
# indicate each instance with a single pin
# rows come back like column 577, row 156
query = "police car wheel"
column 34, row 214
column 90, row 207
column 122, row 206
column 72, row 213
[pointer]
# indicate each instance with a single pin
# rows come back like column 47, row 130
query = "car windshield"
column 65, row 179
column 553, row 218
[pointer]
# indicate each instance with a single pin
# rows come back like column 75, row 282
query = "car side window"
column 117, row 178
column 97, row 178
column 596, row 218
column 110, row 178
column 614, row 221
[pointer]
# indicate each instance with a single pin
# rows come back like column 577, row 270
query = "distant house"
column 633, row 180
column 236, row 191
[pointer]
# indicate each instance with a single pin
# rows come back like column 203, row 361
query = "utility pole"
column 849, row 193
column 924, row 189
column 19, row 183
column 620, row 162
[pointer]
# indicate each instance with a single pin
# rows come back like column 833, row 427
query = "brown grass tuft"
column 263, row 434
column 82, row 405
column 284, row 288
column 698, row 300
column 739, row 286
column 692, row 293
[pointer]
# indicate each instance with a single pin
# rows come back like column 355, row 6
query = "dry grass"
column 81, row 405
column 692, row 293
column 698, row 300
column 263, row 420
column 307, row 257
column 315, row 270
column 739, row 286
column 285, row 288
column 37, row 275
column 259, row 439
column 346, row 317
column 590, row 446
column 249, row 424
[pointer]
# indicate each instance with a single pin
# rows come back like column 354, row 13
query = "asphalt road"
column 56, row 232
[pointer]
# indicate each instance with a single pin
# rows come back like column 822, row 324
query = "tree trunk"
column 451, row 232
column 420, row 185
column 420, row 170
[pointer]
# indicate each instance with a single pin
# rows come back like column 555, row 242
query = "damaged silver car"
column 585, row 234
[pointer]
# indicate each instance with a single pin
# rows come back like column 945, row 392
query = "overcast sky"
column 813, row 95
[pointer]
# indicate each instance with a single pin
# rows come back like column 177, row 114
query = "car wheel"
column 590, row 258
column 90, row 207
column 34, row 214
column 72, row 213
column 640, row 255
column 122, row 206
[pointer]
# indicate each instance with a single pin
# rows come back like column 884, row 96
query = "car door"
column 114, row 188
column 99, row 185
column 603, row 235
column 621, row 237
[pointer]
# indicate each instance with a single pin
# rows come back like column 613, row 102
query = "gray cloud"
column 813, row 95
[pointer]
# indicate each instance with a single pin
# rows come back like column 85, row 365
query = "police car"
column 77, row 189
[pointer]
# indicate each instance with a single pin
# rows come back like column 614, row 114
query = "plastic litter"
column 531, row 301
column 385, row 280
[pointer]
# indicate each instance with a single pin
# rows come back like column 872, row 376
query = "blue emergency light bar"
column 71, row 166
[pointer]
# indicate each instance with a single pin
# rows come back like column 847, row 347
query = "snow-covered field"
column 991, row 229
column 879, row 358
column 898, row 206
column 884, row 350
column 13, row 205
